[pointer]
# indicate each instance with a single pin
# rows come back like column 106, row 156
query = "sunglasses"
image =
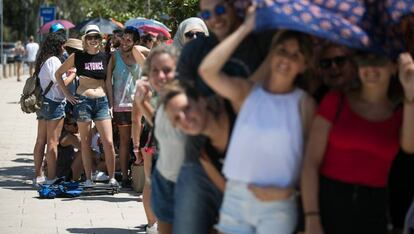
column 218, row 11
column 327, row 63
column 191, row 35
column 377, row 61
column 96, row 37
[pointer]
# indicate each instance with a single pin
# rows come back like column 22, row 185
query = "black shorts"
column 122, row 118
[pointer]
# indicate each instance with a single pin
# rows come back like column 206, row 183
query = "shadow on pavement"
column 103, row 230
column 15, row 178
column 24, row 160
column 105, row 198
column 24, row 154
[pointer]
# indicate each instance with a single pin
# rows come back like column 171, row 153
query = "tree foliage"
column 21, row 16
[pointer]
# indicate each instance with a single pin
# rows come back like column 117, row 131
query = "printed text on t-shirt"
column 94, row 66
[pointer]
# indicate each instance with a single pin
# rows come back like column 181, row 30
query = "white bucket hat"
column 92, row 29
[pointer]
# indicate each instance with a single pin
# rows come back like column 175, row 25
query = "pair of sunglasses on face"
column 327, row 63
column 95, row 37
column 191, row 35
column 218, row 10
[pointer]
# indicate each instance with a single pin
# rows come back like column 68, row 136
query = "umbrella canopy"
column 45, row 28
column 106, row 26
column 364, row 24
column 117, row 23
column 312, row 19
column 139, row 22
column 155, row 29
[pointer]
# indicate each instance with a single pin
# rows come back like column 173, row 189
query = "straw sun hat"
column 74, row 43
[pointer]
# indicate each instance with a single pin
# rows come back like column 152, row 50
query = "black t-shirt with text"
column 91, row 65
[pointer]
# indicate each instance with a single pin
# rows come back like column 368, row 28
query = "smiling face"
column 127, row 42
column 374, row 70
column 222, row 18
column 187, row 114
column 161, row 70
column 287, row 59
column 93, row 41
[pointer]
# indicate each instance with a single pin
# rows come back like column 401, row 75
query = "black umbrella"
column 106, row 26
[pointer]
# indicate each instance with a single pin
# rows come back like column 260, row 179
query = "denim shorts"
column 162, row 197
column 88, row 109
column 242, row 213
column 51, row 110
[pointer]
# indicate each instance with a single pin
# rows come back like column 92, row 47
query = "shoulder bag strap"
column 49, row 85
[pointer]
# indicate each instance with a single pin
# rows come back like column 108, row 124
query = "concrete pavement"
column 20, row 209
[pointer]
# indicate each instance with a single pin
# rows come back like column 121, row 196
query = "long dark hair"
column 51, row 46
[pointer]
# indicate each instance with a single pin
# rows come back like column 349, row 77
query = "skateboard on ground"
column 99, row 189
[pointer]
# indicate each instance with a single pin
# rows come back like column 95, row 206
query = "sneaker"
column 87, row 183
column 50, row 181
column 113, row 182
column 39, row 180
column 153, row 229
column 100, row 176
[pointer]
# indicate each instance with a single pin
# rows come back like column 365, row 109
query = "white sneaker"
column 100, row 176
column 87, row 183
column 152, row 229
column 113, row 182
column 39, row 180
column 50, row 181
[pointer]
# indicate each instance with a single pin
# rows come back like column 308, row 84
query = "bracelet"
column 135, row 149
column 312, row 213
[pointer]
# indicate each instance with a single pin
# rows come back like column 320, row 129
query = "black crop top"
column 91, row 65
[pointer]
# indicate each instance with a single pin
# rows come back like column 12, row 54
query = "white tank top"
column 171, row 144
column 266, row 147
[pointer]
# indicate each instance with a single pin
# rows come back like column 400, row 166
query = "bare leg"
column 18, row 68
column 85, row 134
column 105, row 130
column 77, row 166
column 54, row 128
column 31, row 68
column 125, row 137
column 39, row 149
column 164, row 228
column 146, row 193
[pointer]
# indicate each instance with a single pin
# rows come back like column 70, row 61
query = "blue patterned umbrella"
column 356, row 23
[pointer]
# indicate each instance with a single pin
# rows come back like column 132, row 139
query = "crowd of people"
column 238, row 132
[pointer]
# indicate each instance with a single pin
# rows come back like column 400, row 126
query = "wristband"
column 135, row 149
column 312, row 213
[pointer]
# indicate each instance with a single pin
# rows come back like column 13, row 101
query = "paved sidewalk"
column 20, row 209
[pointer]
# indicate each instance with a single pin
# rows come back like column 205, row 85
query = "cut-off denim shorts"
column 162, row 197
column 242, row 213
column 88, row 109
column 51, row 110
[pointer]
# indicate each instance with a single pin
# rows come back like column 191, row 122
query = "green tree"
column 21, row 16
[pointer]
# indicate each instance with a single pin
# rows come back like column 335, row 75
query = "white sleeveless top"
column 266, row 147
column 171, row 143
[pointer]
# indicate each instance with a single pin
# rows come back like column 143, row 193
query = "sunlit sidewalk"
column 20, row 209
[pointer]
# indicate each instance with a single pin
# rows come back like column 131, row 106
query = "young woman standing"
column 353, row 140
column 266, row 148
column 50, row 116
column 90, row 101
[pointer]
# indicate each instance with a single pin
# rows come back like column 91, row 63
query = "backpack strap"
column 48, row 88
